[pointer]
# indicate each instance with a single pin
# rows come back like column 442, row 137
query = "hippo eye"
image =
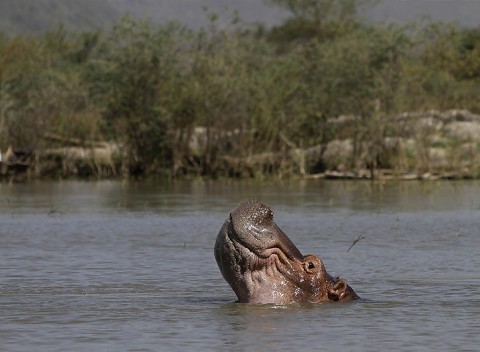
column 311, row 264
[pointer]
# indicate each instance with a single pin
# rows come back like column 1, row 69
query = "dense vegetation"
column 237, row 92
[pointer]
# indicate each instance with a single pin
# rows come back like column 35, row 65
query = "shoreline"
column 28, row 175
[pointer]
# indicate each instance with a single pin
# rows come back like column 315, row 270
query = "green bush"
column 152, row 89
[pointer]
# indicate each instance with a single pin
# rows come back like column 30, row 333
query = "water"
column 118, row 266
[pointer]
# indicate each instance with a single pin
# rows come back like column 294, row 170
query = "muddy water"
column 106, row 266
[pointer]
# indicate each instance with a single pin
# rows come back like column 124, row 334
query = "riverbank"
column 310, row 96
column 426, row 145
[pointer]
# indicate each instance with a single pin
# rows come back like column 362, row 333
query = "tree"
column 323, row 10
column 135, row 72
column 319, row 18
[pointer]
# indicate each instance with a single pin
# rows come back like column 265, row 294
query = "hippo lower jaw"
column 262, row 275
column 263, row 258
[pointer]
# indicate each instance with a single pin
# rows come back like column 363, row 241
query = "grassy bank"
column 163, row 99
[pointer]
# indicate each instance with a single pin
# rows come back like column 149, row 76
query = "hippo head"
column 262, row 265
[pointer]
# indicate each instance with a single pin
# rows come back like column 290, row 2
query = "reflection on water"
column 129, row 266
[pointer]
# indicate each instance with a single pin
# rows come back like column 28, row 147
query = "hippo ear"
column 338, row 290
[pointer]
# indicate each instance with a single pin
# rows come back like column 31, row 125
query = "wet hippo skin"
column 262, row 265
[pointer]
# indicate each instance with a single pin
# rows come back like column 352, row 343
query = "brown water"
column 116, row 266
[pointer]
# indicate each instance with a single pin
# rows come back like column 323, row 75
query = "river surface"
column 129, row 266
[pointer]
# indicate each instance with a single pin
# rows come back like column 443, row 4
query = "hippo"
column 262, row 265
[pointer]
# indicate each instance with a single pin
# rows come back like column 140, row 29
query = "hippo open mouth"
column 262, row 265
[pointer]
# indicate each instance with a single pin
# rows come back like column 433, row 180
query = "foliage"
column 134, row 80
column 204, row 102
column 321, row 19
